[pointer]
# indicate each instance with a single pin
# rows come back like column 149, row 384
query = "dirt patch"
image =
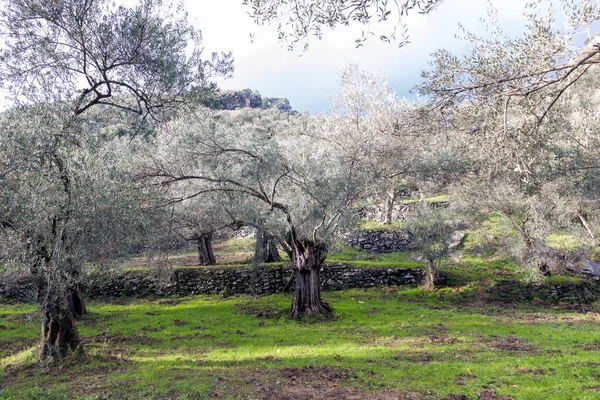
column 262, row 311
column 179, row 322
column 415, row 357
column 510, row 343
column 543, row 318
column 443, row 339
column 95, row 319
column 317, row 374
column 593, row 346
column 304, row 392
column 490, row 395
column 535, row 371
column 89, row 369
column 26, row 318
column 125, row 340
column 310, row 383
column 169, row 302
column 464, row 378
column 15, row 345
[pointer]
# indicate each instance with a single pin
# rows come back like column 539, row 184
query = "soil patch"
column 443, row 339
column 12, row 346
column 510, row 343
column 127, row 340
column 262, row 311
column 26, row 318
column 464, row 378
column 490, row 395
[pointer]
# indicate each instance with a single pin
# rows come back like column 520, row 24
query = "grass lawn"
column 383, row 343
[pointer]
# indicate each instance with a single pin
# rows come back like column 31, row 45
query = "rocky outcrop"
column 235, row 99
column 380, row 241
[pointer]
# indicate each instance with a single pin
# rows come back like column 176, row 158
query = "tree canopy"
column 298, row 20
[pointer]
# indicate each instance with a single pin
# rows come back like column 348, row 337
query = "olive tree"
column 60, row 59
column 60, row 206
column 298, row 177
column 523, row 108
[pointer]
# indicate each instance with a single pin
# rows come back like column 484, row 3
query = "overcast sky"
column 308, row 79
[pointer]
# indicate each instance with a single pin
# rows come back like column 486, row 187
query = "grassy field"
column 381, row 343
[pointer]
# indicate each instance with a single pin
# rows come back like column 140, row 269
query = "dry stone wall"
column 379, row 241
column 191, row 281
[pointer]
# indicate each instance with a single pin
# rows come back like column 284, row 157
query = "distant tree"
column 431, row 231
column 298, row 20
column 58, row 60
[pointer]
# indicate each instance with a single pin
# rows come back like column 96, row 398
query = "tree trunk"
column 76, row 301
column 307, row 261
column 205, row 251
column 389, row 207
column 266, row 248
column 430, row 276
column 587, row 227
column 59, row 332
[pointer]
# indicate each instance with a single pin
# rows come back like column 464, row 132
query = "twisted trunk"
column 76, row 301
column 266, row 248
column 205, row 250
column 307, row 261
column 59, row 331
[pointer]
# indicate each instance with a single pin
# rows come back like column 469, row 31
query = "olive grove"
column 297, row 178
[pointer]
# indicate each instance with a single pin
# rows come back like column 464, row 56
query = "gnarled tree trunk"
column 59, row 331
column 205, row 250
column 307, row 261
column 266, row 248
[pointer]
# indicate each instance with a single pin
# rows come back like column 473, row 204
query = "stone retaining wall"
column 380, row 241
column 580, row 291
column 190, row 281
column 335, row 276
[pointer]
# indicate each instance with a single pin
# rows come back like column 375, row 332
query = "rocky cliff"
column 247, row 98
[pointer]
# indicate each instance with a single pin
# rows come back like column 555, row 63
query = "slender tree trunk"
column 205, row 250
column 307, row 261
column 266, row 248
column 59, row 331
column 430, row 276
column 587, row 228
column 389, row 207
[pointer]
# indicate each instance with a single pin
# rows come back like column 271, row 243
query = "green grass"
column 381, row 341
column 372, row 225
column 348, row 255
column 565, row 241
